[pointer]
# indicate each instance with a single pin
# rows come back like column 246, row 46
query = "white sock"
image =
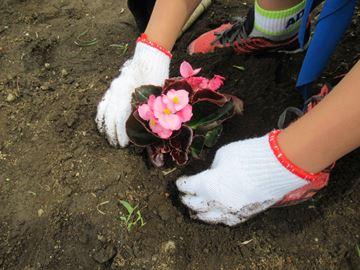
column 277, row 25
column 244, row 179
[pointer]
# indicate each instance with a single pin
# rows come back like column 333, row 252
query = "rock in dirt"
column 64, row 72
column 168, row 247
column 40, row 212
column 10, row 97
column 179, row 220
column 104, row 254
column 46, row 87
column 118, row 262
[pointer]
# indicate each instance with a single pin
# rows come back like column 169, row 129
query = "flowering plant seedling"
column 182, row 117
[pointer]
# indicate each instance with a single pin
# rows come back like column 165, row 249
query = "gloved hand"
column 247, row 177
column 150, row 65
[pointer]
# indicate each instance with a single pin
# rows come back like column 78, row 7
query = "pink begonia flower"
column 187, row 71
column 165, row 115
column 148, row 115
column 159, row 130
column 216, row 82
column 146, row 110
column 186, row 113
column 197, row 83
column 176, row 100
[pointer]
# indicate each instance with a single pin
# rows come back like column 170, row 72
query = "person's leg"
column 249, row 176
column 277, row 20
column 278, row 4
column 330, row 130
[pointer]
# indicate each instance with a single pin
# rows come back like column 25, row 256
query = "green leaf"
column 208, row 115
column 142, row 94
column 127, row 206
column 197, row 146
column 138, row 131
column 239, row 67
column 212, row 136
column 139, row 218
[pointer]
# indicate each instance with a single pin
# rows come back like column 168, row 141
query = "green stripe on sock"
column 279, row 14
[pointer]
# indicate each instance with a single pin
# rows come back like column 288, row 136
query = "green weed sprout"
column 85, row 43
column 123, row 47
column 133, row 216
column 358, row 250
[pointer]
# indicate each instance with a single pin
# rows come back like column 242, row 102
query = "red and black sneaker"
column 236, row 36
column 308, row 106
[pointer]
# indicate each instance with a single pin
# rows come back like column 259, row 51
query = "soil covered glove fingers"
column 195, row 203
column 246, row 179
column 217, row 216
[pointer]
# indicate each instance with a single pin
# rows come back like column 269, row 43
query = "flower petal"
column 171, row 121
column 159, row 130
column 164, row 133
column 197, row 83
column 151, row 102
column 187, row 71
column 168, row 104
column 186, row 113
column 159, row 107
column 145, row 112
column 182, row 99
column 216, row 82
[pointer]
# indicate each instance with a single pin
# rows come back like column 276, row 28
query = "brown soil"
column 56, row 170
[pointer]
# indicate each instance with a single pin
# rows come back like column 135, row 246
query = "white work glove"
column 245, row 178
column 148, row 66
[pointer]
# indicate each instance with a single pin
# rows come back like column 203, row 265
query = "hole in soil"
column 175, row 199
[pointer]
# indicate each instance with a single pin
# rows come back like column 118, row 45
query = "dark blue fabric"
column 333, row 21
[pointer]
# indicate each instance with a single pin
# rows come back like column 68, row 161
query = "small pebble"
column 47, row 65
column 40, row 212
column 44, row 87
column 179, row 220
column 168, row 247
column 10, row 97
column 64, row 72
